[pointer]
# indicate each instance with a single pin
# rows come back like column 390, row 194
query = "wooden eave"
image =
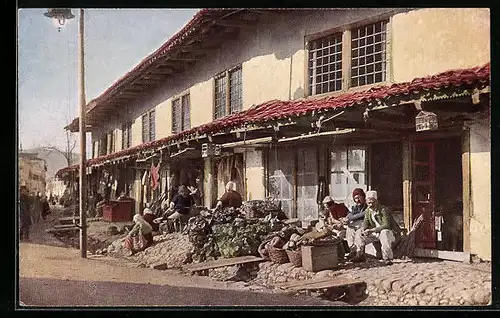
column 207, row 37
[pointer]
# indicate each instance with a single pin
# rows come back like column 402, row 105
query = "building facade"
column 298, row 104
column 32, row 172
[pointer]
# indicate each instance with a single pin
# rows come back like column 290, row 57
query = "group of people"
column 32, row 208
column 179, row 209
column 366, row 222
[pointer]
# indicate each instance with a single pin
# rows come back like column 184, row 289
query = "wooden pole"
column 83, row 152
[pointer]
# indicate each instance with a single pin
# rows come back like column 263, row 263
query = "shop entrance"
column 437, row 193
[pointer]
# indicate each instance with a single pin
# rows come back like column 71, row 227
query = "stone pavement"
column 415, row 283
column 426, row 283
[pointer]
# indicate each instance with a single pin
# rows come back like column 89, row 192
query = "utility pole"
column 83, row 143
column 61, row 15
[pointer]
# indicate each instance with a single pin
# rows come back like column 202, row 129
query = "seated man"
column 354, row 218
column 378, row 225
column 140, row 237
column 230, row 199
column 181, row 205
column 148, row 216
column 332, row 215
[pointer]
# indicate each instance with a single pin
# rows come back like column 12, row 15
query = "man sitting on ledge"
column 378, row 225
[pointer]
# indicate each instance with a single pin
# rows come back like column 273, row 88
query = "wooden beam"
column 185, row 57
column 407, row 184
column 234, row 23
column 199, row 50
column 466, row 188
column 448, row 255
column 247, row 142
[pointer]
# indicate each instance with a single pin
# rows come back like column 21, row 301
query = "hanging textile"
column 145, row 177
column 155, row 176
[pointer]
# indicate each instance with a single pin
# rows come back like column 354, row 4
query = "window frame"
column 127, row 135
column 148, row 134
column 346, row 31
column 339, row 149
column 228, row 91
column 179, row 122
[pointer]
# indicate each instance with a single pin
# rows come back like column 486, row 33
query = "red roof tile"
column 276, row 109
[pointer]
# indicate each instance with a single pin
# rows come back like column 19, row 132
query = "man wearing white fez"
column 378, row 225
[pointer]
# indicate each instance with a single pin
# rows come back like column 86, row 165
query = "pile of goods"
column 285, row 245
column 262, row 208
column 226, row 233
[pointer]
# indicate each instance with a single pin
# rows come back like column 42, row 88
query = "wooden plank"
column 466, row 189
column 223, row 262
column 447, row 255
column 67, row 229
column 324, row 283
column 303, row 282
column 407, row 178
column 63, row 226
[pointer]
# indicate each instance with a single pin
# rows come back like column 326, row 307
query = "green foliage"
column 240, row 238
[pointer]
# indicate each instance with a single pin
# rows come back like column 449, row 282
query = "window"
column 228, row 93
column 148, row 126
column 332, row 66
column 93, row 148
column 325, row 64
column 111, row 143
column 103, row 145
column 347, row 172
column 127, row 135
column 280, row 178
column 152, row 125
column 368, row 54
column 181, row 111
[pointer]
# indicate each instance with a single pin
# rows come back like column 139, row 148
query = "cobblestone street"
column 418, row 282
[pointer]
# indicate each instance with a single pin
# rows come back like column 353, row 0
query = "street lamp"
column 61, row 15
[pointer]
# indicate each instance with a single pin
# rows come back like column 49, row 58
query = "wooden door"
column 423, row 192
column 307, row 183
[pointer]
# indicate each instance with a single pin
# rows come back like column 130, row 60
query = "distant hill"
column 53, row 159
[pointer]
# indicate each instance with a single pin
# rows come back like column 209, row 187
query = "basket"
column 295, row 257
column 278, row 255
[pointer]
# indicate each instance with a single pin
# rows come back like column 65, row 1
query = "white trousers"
column 385, row 237
column 349, row 236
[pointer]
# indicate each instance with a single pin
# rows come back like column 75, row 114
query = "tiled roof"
column 191, row 26
column 275, row 109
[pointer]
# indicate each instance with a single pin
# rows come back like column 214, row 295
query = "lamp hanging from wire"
column 60, row 15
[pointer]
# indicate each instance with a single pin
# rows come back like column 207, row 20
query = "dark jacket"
column 384, row 218
column 231, row 199
column 24, row 210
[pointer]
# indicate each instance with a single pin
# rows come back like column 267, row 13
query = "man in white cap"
column 378, row 225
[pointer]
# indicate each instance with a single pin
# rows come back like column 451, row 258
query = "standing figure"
column 36, row 207
column 24, row 214
column 378, row 225
column 45, row 207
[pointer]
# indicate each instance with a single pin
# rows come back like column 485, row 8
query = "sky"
column 116, row 40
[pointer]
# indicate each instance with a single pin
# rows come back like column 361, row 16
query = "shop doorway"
column 437, row 193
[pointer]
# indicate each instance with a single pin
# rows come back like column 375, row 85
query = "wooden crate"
column 317, row 258
column 118, row 211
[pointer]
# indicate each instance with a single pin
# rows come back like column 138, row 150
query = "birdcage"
column 426, row 121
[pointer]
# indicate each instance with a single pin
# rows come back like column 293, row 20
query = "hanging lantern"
column 426, row 121
column 60, row 15
column 210, row 150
